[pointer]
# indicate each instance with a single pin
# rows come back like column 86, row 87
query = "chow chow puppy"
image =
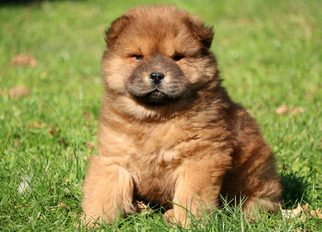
column 169, row 134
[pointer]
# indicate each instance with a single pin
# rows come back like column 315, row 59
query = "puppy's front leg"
column 108, row 190
column 196, row 192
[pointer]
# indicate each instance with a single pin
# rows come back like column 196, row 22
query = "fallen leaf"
column 297, row 110
column 90, row 145
column 53, row 131
column 62, row 205
column 143, row 208
column 316, row 213
column 283, row 109
column 20, row 206
column 302, row 212
column 63, row 142
column 293, row 213
column 305, row 207
column 18, row 92
column 24, row 185
column 24, row 59
column 87, row 115
column 36, row 125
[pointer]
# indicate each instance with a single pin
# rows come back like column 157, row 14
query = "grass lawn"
column 269, row 53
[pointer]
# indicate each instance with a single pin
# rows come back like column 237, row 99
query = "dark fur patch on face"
column 157, row 80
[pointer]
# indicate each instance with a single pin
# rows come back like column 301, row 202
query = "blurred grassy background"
column 269, row 54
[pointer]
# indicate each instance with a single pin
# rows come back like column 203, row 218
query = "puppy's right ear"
column 113, row 32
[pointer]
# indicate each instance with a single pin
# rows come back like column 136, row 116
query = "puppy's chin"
column 150, row 110
column 156, row 98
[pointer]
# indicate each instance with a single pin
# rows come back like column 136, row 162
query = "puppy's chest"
column 155, row 178
column 160, row 144
column 155, row 162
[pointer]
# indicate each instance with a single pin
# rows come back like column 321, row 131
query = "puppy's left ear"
column 203, row 33
column 114, row 31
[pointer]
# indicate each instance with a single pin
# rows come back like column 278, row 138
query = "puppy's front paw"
column 90, row 222
column 172, row 219
column 169, row 216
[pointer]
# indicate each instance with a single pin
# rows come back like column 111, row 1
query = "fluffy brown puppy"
column 169, row 133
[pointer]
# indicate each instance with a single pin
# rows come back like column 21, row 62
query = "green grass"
column 269, row 53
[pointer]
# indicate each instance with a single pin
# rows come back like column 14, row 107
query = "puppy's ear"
column 113, row 32
column 203, row 33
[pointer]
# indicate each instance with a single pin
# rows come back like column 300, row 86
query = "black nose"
column 156, row 77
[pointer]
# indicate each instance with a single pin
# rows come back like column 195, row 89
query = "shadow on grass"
column 28, row 2
column 293, row 190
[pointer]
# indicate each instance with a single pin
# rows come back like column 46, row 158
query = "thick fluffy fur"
column 168, row 130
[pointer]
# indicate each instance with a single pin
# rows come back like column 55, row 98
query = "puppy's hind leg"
column 253, row 204
column 108, row 191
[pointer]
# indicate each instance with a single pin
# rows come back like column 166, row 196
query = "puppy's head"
column 158, row 57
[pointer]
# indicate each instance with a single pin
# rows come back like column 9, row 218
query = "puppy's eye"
column 177, row 57
column 137, row 57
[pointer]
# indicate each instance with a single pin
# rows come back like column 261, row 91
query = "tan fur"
column 186, row 145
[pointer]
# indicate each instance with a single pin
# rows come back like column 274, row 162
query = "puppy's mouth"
column 156, row 98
